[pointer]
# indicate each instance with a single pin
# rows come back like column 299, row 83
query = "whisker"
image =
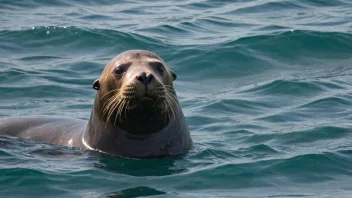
column 113, row 108
column 108, row 93
column 173, row 100
column 127, row 103
column 110, row 100
column 117, row 114
column 122, row 106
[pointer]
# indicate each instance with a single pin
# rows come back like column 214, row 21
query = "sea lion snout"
column 145, row 78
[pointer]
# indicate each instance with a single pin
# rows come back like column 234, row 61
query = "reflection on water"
column 140, row 191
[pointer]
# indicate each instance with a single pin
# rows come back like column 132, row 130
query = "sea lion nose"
column 145, row 78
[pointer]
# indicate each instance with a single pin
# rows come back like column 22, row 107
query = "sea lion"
column 136, row 113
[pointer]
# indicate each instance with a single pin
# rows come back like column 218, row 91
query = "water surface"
column 265, row 85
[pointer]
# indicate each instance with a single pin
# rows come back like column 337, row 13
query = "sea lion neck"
column 137, row 123
column 112, row 139
column 143, row 121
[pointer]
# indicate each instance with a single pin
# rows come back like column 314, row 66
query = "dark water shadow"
column 140, row 167
column 140, row 191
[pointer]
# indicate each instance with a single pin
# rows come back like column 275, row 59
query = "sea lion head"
column 136, row 88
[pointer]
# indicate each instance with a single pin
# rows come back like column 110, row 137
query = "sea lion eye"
column 119, row 70
column 159, row 67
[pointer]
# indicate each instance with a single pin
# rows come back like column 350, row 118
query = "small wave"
column 98, row 17
column 61, row 40
column 217, row 22
column 297, row 39
column 23, row 4
column 41, row 91
column 286, row 87
column 311, row 135
column 237, row 106
column 258, row 151
column 171, row 30
column 318, row 3
column 36, row 58
column 15, row 172
column 273, row 28
column 326, row 102
column 316, row 167
column 212, row 156
column 251, row 8
column 304, row 168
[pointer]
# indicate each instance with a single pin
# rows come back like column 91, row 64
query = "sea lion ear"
column 174, row 75
column 96, row 84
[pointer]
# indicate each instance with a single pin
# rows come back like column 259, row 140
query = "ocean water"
column 265, row 85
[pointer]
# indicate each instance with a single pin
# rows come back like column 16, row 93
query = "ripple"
column 41, row 91
column 312, row 135
column 29, row 58
column 174, row 31
column 217, row 22
column 232, row 106
column 311, row 168
column 259, row 151
column 98, row 17
column 22, row 5
column 140, row 168
column 212, row 156
column 272, row 28
column 267, row 7
column 61, row 40
column 311, row 164
column 315, row 44
column 324, row 3
column 327, row 102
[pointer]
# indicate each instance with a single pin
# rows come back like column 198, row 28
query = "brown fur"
column 120, row 96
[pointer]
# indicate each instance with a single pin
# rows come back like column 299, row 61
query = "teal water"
column 265, row 85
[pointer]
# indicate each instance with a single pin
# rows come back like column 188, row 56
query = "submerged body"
column 60, row 131
column 135, row 113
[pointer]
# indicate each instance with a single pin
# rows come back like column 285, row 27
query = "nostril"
column 142, row 78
